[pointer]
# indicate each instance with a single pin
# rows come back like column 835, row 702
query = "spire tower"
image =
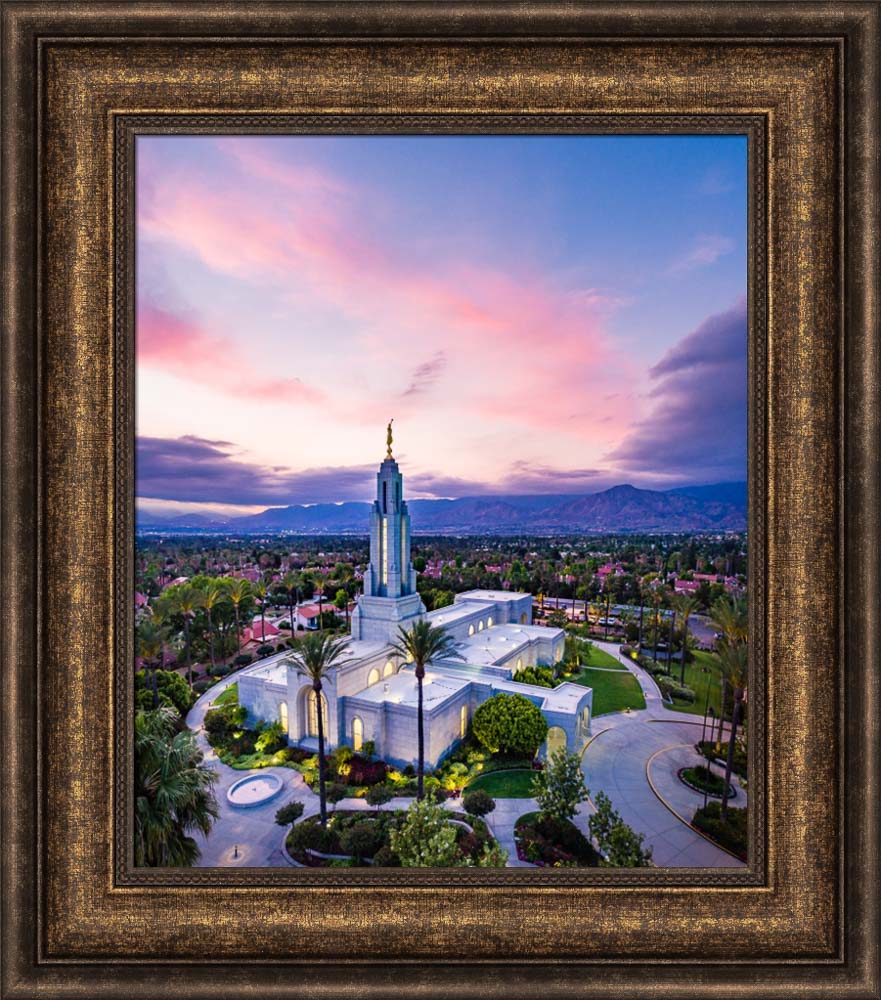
column 390, row 594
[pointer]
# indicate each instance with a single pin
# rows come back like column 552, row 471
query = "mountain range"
column 620, row 509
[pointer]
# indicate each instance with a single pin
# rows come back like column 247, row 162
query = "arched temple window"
column 480, row 625
column 373, row 676
column 357, row 734
column 312, row 722
column 556, row 740
column 523, row 618
column 471, row 630
column 489, row 622
column 463, row 722
column 283, row 715
column 388, row 669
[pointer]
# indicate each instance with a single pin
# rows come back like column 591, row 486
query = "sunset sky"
column 539, row 315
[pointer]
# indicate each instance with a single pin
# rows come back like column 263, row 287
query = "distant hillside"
column 720, row 507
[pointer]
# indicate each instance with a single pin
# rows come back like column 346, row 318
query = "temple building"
column 370, row 694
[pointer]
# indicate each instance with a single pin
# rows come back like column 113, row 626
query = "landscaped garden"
column 425, row 835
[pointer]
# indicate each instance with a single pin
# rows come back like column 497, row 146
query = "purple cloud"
column 696, row 430
column 193, row 469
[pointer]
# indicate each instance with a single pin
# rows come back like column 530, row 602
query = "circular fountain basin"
column 254, row 790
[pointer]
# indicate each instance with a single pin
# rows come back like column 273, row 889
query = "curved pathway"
column 630, row 748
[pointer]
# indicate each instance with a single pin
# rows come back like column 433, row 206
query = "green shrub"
column 271, row 738
column 702, row 778
column 265, row 649
column 675, row 690
column 368, row 750
column 173, row 691
column 361, row 840
column 243, row 659
column 385, row 857
column 540, row 676
column 510, row 723
column 311, row 835
column 731, row 834
column 478, row 802
column 289, row 814
column 200, row 687
column 378, row 795
column 219, row 722
column 336, row 792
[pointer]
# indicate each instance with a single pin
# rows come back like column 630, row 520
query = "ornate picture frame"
column 80, row 82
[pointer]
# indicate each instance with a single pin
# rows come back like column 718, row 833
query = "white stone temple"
column 371, row 695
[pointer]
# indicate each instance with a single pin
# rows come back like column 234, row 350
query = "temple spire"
column 388, row 438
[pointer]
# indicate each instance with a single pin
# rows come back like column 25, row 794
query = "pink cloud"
column 526, row 351
column 180, row 347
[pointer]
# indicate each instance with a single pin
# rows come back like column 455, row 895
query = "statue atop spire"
column 388, row 438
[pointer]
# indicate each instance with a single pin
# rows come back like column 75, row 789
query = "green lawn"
column 600, row 658
column 505, row 784
column 228, row 697
column 697, row 680
column 612, row 692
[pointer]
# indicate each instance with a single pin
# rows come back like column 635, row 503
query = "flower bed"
column 701, row 779
column 553, row 843
column 360, row 838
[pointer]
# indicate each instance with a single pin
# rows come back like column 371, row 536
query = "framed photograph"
column 440, row 499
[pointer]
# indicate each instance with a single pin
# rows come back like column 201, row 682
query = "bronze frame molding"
column 72, row 925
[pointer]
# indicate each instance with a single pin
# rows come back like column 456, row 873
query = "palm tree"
column 238, row 591
column 187, row 601
column 290, row 585
column 173, row 792
column 315, row 656
column 686, row 606
column 729, row 616
column 260, row 590
column 320, row 582
column 422, row 643
column 150, row 640
column 733, row 659
column 212, row 595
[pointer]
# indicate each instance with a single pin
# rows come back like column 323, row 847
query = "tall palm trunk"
column 670, row 642
column 684, row 649
column 729, row 763
column 722, row 699
column 639, row 637
column 187, row 646
column 293, row 619
column 238, row 630
column 322, row 763
column 420, row 736
column 211, row 640
column 155, row 685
